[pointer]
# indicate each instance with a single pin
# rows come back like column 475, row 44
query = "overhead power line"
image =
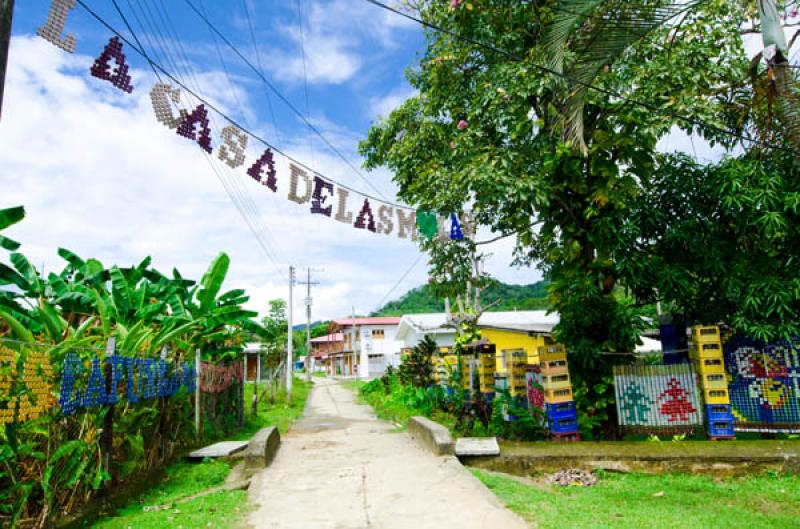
column 402, row 278
column 236, row 194
column 605, row 91
column 283, row 98
column 228, row 118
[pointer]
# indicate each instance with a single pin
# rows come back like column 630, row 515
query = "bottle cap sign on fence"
column 142, row 378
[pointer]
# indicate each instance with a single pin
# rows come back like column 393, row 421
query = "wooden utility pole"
column 6, row 14
column 308, row 284
column 289, row 346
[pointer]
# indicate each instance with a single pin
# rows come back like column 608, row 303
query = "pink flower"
column 455, row 3
column 462, row 124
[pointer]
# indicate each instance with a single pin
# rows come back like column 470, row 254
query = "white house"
column 370, row 345
column 414, row 327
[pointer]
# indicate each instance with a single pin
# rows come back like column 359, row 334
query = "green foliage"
column 398, row 402
column 719, row 242
column 54, row 463
column 500, row 296
column 516, row 166
column 183, row 480
column 416, row 369
column 657, row 501
column 525, row 426
column 221, row 509
column 9, row 217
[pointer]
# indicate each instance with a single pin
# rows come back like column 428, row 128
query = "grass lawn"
column 226, row 509
column 222, row 509
column 655, row 501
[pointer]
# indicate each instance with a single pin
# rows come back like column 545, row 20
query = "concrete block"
column 262, row 448
column 431, row 435
column 223, row 449
column 477, row 446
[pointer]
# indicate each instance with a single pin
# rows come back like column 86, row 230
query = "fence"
column 763, row 384
column 657, row 398
column 75, row 421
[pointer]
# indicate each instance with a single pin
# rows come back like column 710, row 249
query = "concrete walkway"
column 341, row 468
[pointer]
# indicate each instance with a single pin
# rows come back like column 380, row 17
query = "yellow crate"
column 705, row 334
column 708, row 350
column 716, row 396
column 714, row 381
column 556, row 381
column 551, row 353
column 555, row 396
column 555, row 367
column 707, row 366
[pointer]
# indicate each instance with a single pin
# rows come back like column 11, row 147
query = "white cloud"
column 383, row 106
column 99, row 175
column 337, row 36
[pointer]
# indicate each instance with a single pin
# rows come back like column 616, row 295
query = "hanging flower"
column 462, row 124
column 455, row 3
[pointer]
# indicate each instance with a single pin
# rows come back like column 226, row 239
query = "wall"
column 445, row 339
column 388, row 347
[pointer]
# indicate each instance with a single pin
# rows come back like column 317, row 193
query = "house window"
column 377, row 334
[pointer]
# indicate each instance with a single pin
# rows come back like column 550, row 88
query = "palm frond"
column 596, row 33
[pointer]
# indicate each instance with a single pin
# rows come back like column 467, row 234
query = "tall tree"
column 494, row 133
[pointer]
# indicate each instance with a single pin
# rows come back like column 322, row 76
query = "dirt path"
column 341, row 468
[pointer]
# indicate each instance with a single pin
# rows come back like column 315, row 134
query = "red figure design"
column 676, row 403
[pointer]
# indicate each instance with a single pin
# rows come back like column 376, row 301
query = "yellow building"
column 507, row 341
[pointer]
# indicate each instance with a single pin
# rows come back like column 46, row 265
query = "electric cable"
column 223, row 114
column 288, row 103
column 402, row 278
column 227, row 185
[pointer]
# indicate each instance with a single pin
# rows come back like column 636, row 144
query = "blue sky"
column 99, row 175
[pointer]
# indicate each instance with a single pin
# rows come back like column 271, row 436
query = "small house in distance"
column 324, row 348
column 370, row 346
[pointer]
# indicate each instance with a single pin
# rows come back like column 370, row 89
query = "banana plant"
column 9, row 217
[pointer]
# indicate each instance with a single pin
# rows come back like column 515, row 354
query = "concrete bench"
column 262, row 448
column 431, row 435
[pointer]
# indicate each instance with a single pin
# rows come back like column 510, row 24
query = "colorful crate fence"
column 657, row 398
column 764, row 382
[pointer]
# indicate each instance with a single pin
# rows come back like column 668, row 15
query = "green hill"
column 513, row 297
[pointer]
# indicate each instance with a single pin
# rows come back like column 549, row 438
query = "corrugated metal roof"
column 377, row 320
column 520, row 320
column 335, row 337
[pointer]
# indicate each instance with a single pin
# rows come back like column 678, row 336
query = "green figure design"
column 635, row 404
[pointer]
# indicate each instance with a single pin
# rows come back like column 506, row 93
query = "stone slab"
column 263, row 447
column 222, row 449
column 477, row 446
column 431, row 435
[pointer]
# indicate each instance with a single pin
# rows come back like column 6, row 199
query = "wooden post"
column 162, row 413
column 241, row 391
column 256, row 383
column 197, row 399
column 107, row 435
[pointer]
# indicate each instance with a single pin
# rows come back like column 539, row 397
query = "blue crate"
column 721, row 428
column 560, row 410
column 718, row 412
column 562, row 426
